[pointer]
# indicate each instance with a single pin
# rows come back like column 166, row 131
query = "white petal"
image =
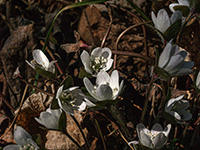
column 55, row 112
column 102, row 78
column 40, row 58
column 59, row 91
column 167, row 129
column 90, row 88
column 108, row 65
column 153, row 16
column 184, row 2
column 82, row 106
column 156, row 127
column 198, row 80
column 97, row 52
column 30, row 64
column 106, row 52
column 159, row 141
column 165, row 55
column 171, row 102
column 175, row 62
column 175, row 16
column 140, row 127
column 104, row 92
column 48, row 120
column 12, row 147
column 66, row 107
column 21, row 136
column 163, row 21
column 171, row 6
column 86, row 61
column 114, row 80
column 145, row 140
column 89, row 102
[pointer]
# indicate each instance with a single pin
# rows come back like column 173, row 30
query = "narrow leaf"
column 63, row 122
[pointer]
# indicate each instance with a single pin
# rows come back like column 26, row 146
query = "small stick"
column 20, row 106
column 6, row 102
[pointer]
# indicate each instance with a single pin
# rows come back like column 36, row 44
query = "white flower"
column 100, row 60
column 162, row 22
column 185, row 3
column 172, row 61
column 23, row 140
column 70, row 99
column 198, row 81
column 154, row 139
column 106, row 88
column 41, row 61
column 177, row 108
column 50, row 118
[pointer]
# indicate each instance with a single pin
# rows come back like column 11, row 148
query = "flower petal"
column 175, row 16
column 86, row 61
column 104, row 92
column 48, row 120
column 41, row 58
column 175, row 62
column 171, row 6
column 198, row 80
column 12, row 147
column 66, row 107
column 59, row 91
column 108, row 65
column 114, row 80
column 156, row 128
column 21, row 136
column 159, row 141
column 145, row 140
column 184, row 2
column 30, row 64
column 167, row 129
column 154, row 19
column 165, row 55
column 163, row 21
column 90, row 88
column 106, row 52
column 102, row 78
column 97, row 52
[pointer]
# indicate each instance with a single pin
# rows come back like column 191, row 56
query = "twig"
column 35, row 87
column 6, row 102
column 125, row 139
column 20, row 106
column 119, row 37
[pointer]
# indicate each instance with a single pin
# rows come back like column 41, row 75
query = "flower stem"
column 146, row 99
column 116, row 114
column 86, row 143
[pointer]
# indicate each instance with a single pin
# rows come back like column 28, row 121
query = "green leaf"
column 184, row 9
column 62, row 122
column 83, row 74
column 54, row 103
column 45, row 73
column 138, row 10
column 173, row 30
column 68, row 82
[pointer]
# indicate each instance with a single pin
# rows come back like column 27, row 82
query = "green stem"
column 87, row 144
column 116, row 114
column 146, row 99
